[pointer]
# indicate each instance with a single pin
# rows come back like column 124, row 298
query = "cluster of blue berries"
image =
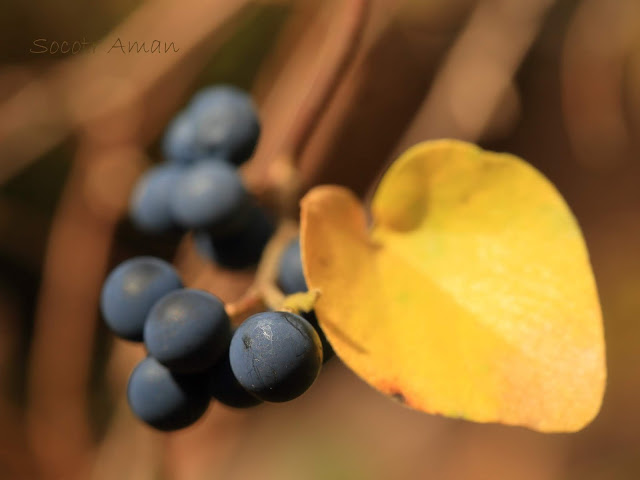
column 198, row 187
column 194, row 353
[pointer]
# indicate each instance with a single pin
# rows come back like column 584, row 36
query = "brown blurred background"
column 342, row 87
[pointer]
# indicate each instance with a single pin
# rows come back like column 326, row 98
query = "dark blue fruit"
column 241, row 249
column 187, row 330
column 178, row 143
column 164, row 400
column 224, row 387
column 226, row 123
column 290, row 275
column 275, row 356
column 149, row 204
column 210, row 194
column 327, row 349
column 130, row 291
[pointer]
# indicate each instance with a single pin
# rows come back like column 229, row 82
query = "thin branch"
column 477, row 71
column 311, row 94
column 251, row 302
column 76, row 261
column 15, row 454
column 338, row 50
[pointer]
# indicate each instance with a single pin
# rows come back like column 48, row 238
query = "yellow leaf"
column 471, row 295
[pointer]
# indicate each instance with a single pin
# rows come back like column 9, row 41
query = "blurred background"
column 342, row 86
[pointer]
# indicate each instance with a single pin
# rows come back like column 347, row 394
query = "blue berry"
column 241, row 249
column 224, row 387
column 327, row 349
column 130, row 291
column 178, row 143
column 187, row 330
column 290, row 275
column 226, row 123
column 210, row 194
column 149, row 204
column 275, row 356
column 164, row 400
